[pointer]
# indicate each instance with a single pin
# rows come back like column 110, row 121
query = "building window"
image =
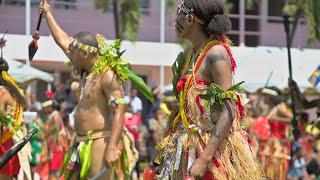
column 275, row 10
column 59, row 4
column 65, row 4
column 33, row 3
column 145, row 4
column 234, row 38
column 235, row 23
column 252, row 40
column 15, row 2
column 252, row 25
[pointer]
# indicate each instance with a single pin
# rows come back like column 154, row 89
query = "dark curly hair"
column 212, row 12
column 86, row 38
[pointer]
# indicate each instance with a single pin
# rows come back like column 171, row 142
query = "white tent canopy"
column 263, row 62
column 254, row 64
column 23, row 73
column 139, row 53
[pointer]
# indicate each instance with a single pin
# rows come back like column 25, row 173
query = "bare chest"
column 91, row 91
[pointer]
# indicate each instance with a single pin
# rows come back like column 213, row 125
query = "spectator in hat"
column 133, row 102
column 150, row 108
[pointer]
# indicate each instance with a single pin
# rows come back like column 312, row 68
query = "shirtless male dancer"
column 94, row 113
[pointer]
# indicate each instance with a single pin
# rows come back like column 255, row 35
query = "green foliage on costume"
column 111, row 57
column 177, row 72
column 140, row 84
column 124, row 163
column 86, row 157
column 6, row 122
column 64, row 170
column 215, row 96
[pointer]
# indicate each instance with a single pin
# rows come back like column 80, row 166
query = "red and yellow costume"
column 10, row 122
column 192, row 128
column 275, row 154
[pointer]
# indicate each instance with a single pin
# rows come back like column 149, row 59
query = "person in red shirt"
column 276, row 153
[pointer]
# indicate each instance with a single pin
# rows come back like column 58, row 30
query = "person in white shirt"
column 133, row 102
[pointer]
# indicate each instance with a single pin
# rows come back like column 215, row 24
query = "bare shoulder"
column 5, row 96
column 110, row 82
column 219, row 67
column 217, row 53
column 4, row 92
column 107, row 77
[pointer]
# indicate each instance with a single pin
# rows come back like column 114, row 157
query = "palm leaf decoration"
column 215, row 96
column 177, row 70
column 111, row 57
column 6, row 122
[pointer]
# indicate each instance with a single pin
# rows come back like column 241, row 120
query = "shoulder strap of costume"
column 233, row 62
column 203, row 55
column 205, row 51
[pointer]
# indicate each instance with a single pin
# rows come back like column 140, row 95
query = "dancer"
column 204, row 138
column 275, row 153
column 99, row 117
column 12, row 102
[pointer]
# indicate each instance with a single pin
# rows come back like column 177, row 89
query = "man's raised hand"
column 44, row 7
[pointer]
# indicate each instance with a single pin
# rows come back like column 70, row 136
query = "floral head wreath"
column 182, row 7
column 83, row 47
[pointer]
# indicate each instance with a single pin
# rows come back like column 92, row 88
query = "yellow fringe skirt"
column 232, row 161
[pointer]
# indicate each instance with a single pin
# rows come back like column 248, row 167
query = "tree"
column 307, row 10
column 127, row 16
column 299, row 10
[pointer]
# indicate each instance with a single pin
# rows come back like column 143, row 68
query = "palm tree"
column 127, row 16
column 298, row 10
column 307, row 10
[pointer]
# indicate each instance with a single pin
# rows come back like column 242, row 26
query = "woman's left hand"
column 199, row 167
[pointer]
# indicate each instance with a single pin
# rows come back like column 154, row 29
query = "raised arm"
column 301, row 99
column 113, row 89
column 219, row 68
column 60, row 37
column 280, row 113
column 312, row 104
